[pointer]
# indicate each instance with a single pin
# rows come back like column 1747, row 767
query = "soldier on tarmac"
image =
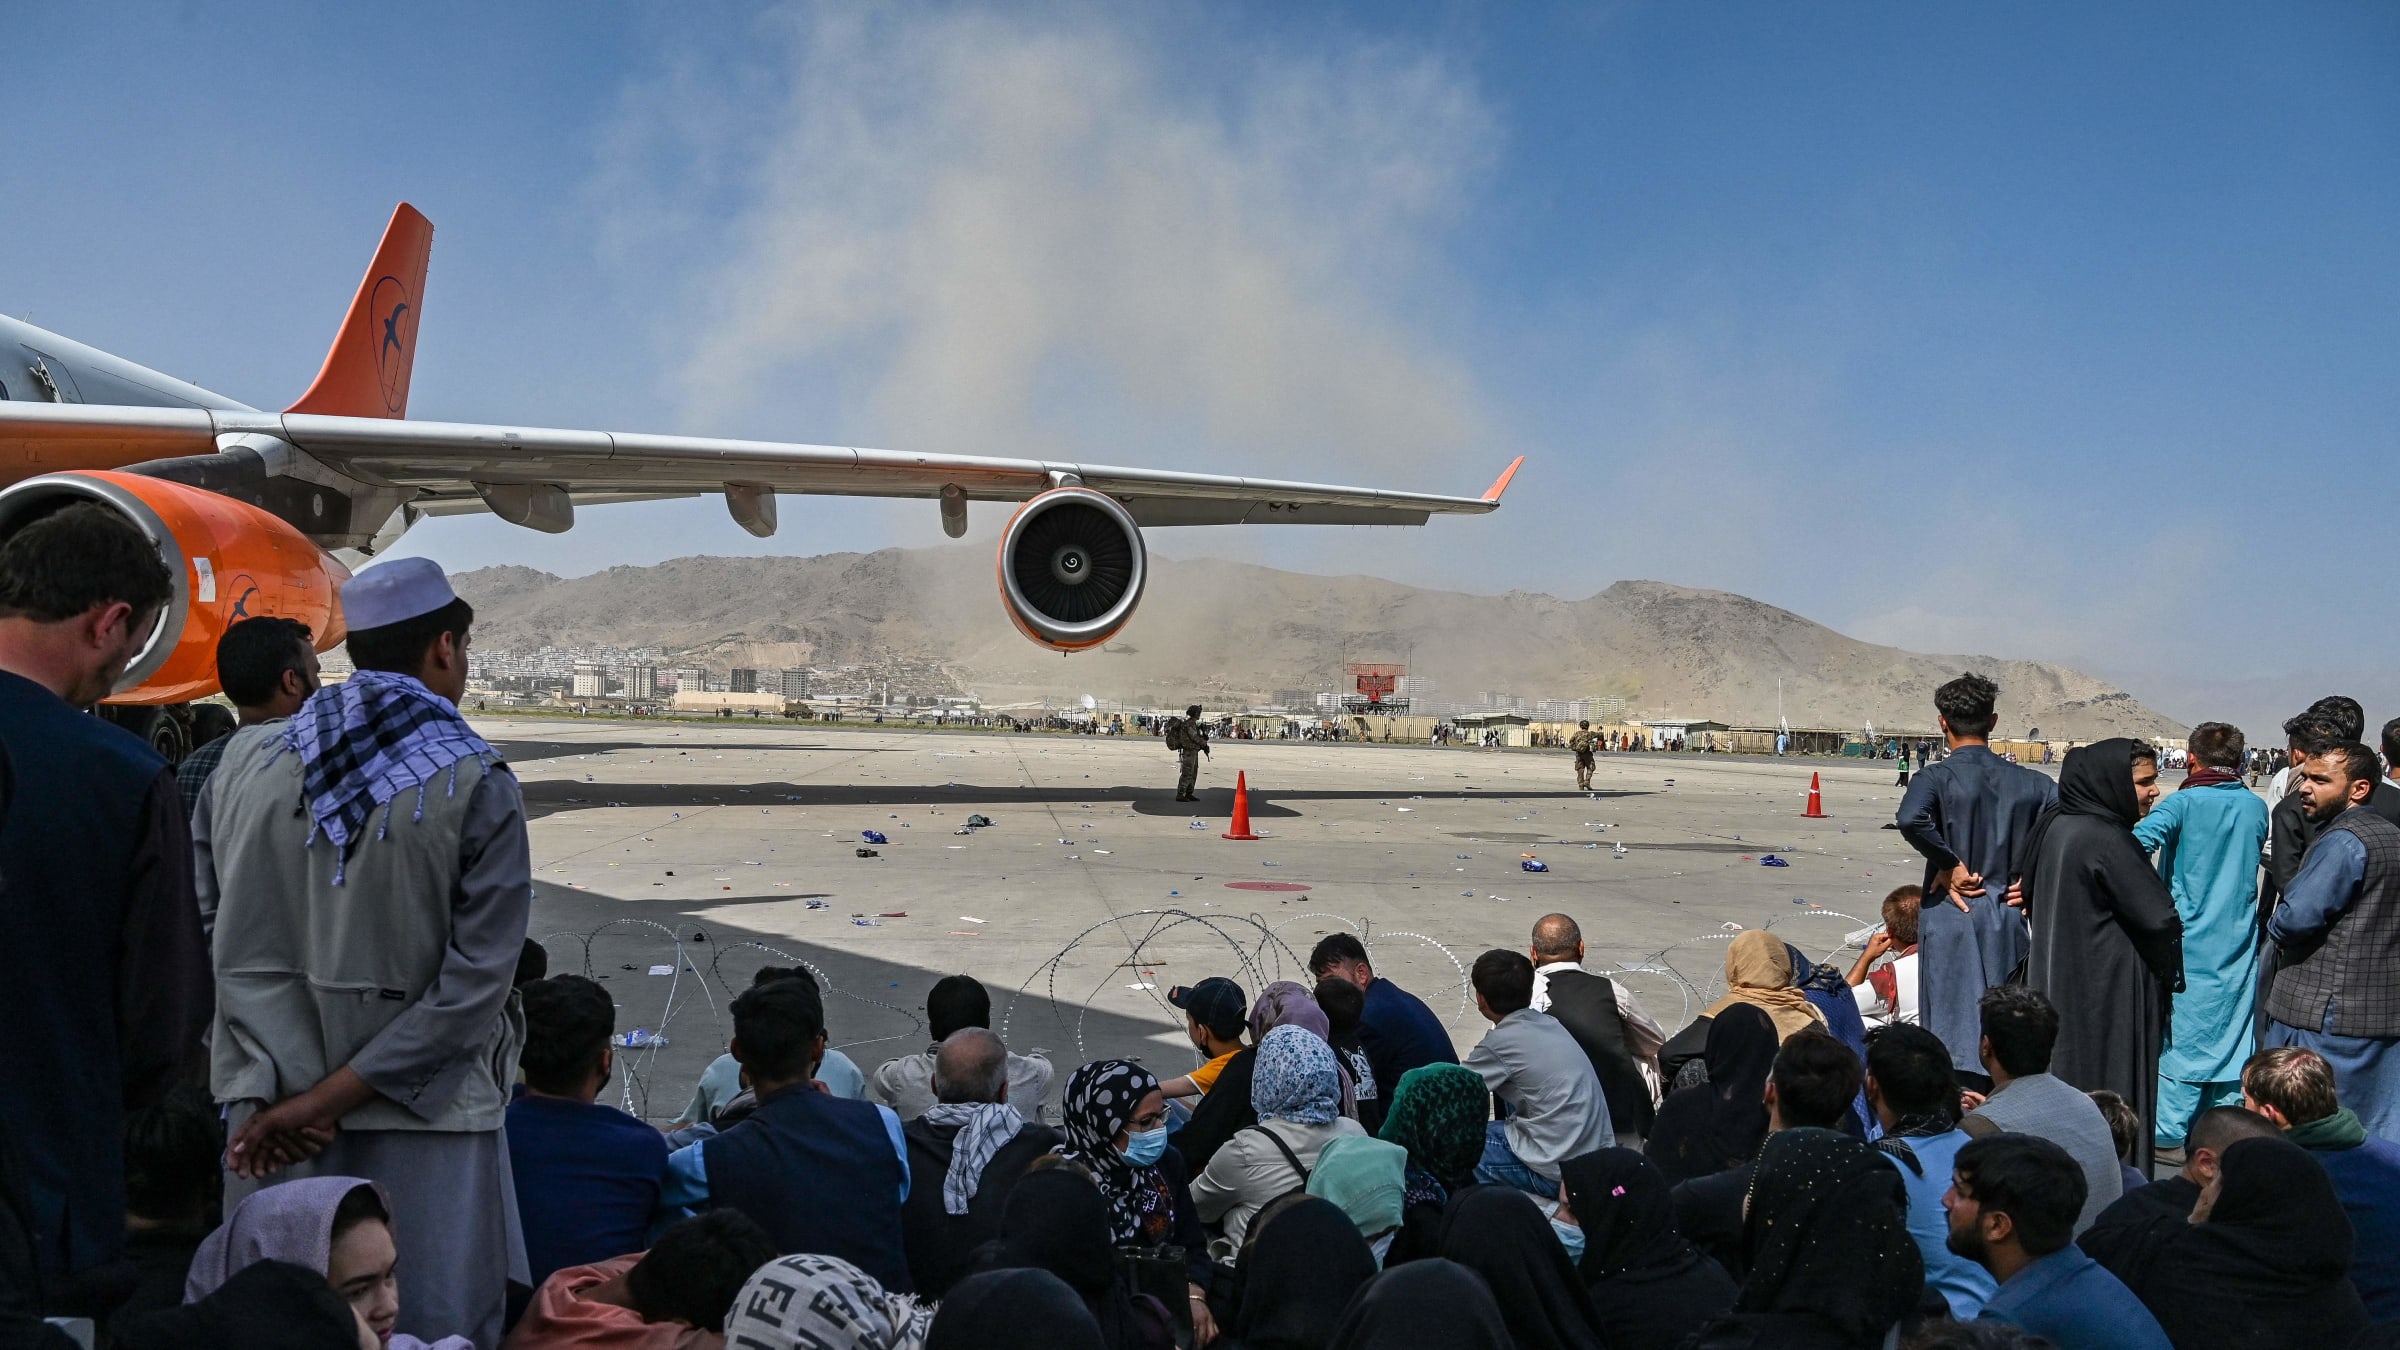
column 1585, row 743
column 1189, row 743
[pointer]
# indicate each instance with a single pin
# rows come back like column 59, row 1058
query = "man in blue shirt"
column 822, row 1174
column 1396, row 1030
column 587, row 1176
column 1915, row 1095
column 2011, row 1205
column 2293, row 1089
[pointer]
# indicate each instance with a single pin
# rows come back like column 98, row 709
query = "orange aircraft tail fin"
column 366, row 372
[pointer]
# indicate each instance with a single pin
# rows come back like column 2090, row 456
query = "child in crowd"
column 1887, row 994
column 1215, row 1014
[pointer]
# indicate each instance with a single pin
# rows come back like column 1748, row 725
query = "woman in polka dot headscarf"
column 1112, row 1109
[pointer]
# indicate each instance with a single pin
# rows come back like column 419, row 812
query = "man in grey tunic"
column 364, row 870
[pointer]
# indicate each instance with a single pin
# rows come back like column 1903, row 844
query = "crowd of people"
column 287, row 1073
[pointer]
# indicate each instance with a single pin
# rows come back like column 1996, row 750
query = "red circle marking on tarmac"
column 1264, row 886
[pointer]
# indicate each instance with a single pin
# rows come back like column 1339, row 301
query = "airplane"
column 259, row 513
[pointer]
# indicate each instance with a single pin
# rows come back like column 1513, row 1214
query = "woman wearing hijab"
column 1438, row 1113
column 1288, row 1004
column 1424, row 1303
column 1832, row 1265
column 2107, row 942
column 339, row 1227
column 1012, row 1310
column 1057, row 1220
column 1296, row 1089
column 822, row 1303
column 1650, row 1289
column 1304, row 1262
column 2263, row 1263
column 1711, row 1126
column 1501, row 1234
column 1759, row 973
column 1115, row 1120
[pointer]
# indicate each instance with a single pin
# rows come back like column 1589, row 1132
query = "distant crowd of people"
column 285, row 1071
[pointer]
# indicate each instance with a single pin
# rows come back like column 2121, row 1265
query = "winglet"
column 1500, row 484
column 366, row 371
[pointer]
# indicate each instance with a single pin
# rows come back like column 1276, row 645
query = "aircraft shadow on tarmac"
column 535, row 751
column 874, row 1009
column 549, row 797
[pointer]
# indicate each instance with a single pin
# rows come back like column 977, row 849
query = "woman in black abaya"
column 2262, row 1264
column 1711, row 1126
column 1832, row 1266
column 2107, row 943
column 1304, row 1263
column 1503, row 1235
column 1650, row 1288
column 1424, row 1303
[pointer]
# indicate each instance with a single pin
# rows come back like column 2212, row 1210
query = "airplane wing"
column 518, row 471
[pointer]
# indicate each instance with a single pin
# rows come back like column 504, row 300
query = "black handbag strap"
column 1286, row 1150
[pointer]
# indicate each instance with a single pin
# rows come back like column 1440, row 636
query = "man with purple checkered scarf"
column 364, row 873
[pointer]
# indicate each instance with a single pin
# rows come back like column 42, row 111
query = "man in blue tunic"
column 109, row 991
column 2207, row 835
column 1965, row 814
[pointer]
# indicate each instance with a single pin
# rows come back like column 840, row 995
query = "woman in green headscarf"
column 1438, row 1114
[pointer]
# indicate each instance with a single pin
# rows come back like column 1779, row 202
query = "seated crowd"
column 1792, row 1191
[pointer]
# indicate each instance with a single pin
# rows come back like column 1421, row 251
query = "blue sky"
column 2062, row 331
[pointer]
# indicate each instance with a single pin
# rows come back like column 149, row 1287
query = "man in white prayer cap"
column 363, row 865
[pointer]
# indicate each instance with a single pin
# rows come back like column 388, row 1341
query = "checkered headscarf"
column 369, row 739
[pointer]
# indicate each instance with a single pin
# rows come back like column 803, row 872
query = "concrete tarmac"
column 674, row 859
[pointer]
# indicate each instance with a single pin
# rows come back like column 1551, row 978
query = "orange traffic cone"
column 1816, row 800
column 1241, row 808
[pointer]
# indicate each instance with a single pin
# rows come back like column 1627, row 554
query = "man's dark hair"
column 697, row 1268
column 254, row 654
column 2308, row 732
column 2022, row 1026
column 1332, row 950
column 2033, row 1181
column 778, row 1024
column 2358, row 762
column 1966, row 703
column 1192, row 711
column 533, row 963
column 1944, row 1334
column 2391, row 742
column 957, row 1002
column 400, row 647
column 1911, row 1068
column 171, row 1153
column 2294, row 1080
column 1816, row 1079
column 1505, row 979
column 2218, row 745
column 766, row 975
column 568, row 1020
column 78, row 556
column 2220, row 1127
column 2124, row 1123
column 2349, row 720
column 1342, row 1002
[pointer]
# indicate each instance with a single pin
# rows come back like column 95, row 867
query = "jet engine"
column 1071, row 568
column 230, row 561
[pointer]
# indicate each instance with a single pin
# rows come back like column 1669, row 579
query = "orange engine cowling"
column 1071, row 568
column 230, row 561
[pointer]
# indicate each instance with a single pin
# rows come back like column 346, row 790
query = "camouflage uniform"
column 1189, row 742
column 1585, row 744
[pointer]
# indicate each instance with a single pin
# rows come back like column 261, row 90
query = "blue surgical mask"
column 1570, row 1234
column 1143, row 1148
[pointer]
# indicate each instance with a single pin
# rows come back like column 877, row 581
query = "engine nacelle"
column 1071, row 568
column 230, row 561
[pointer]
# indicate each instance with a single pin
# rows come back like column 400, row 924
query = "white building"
column 590, row 680
column 641, row 682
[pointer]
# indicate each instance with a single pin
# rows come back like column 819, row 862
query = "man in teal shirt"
column 2207, row 835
